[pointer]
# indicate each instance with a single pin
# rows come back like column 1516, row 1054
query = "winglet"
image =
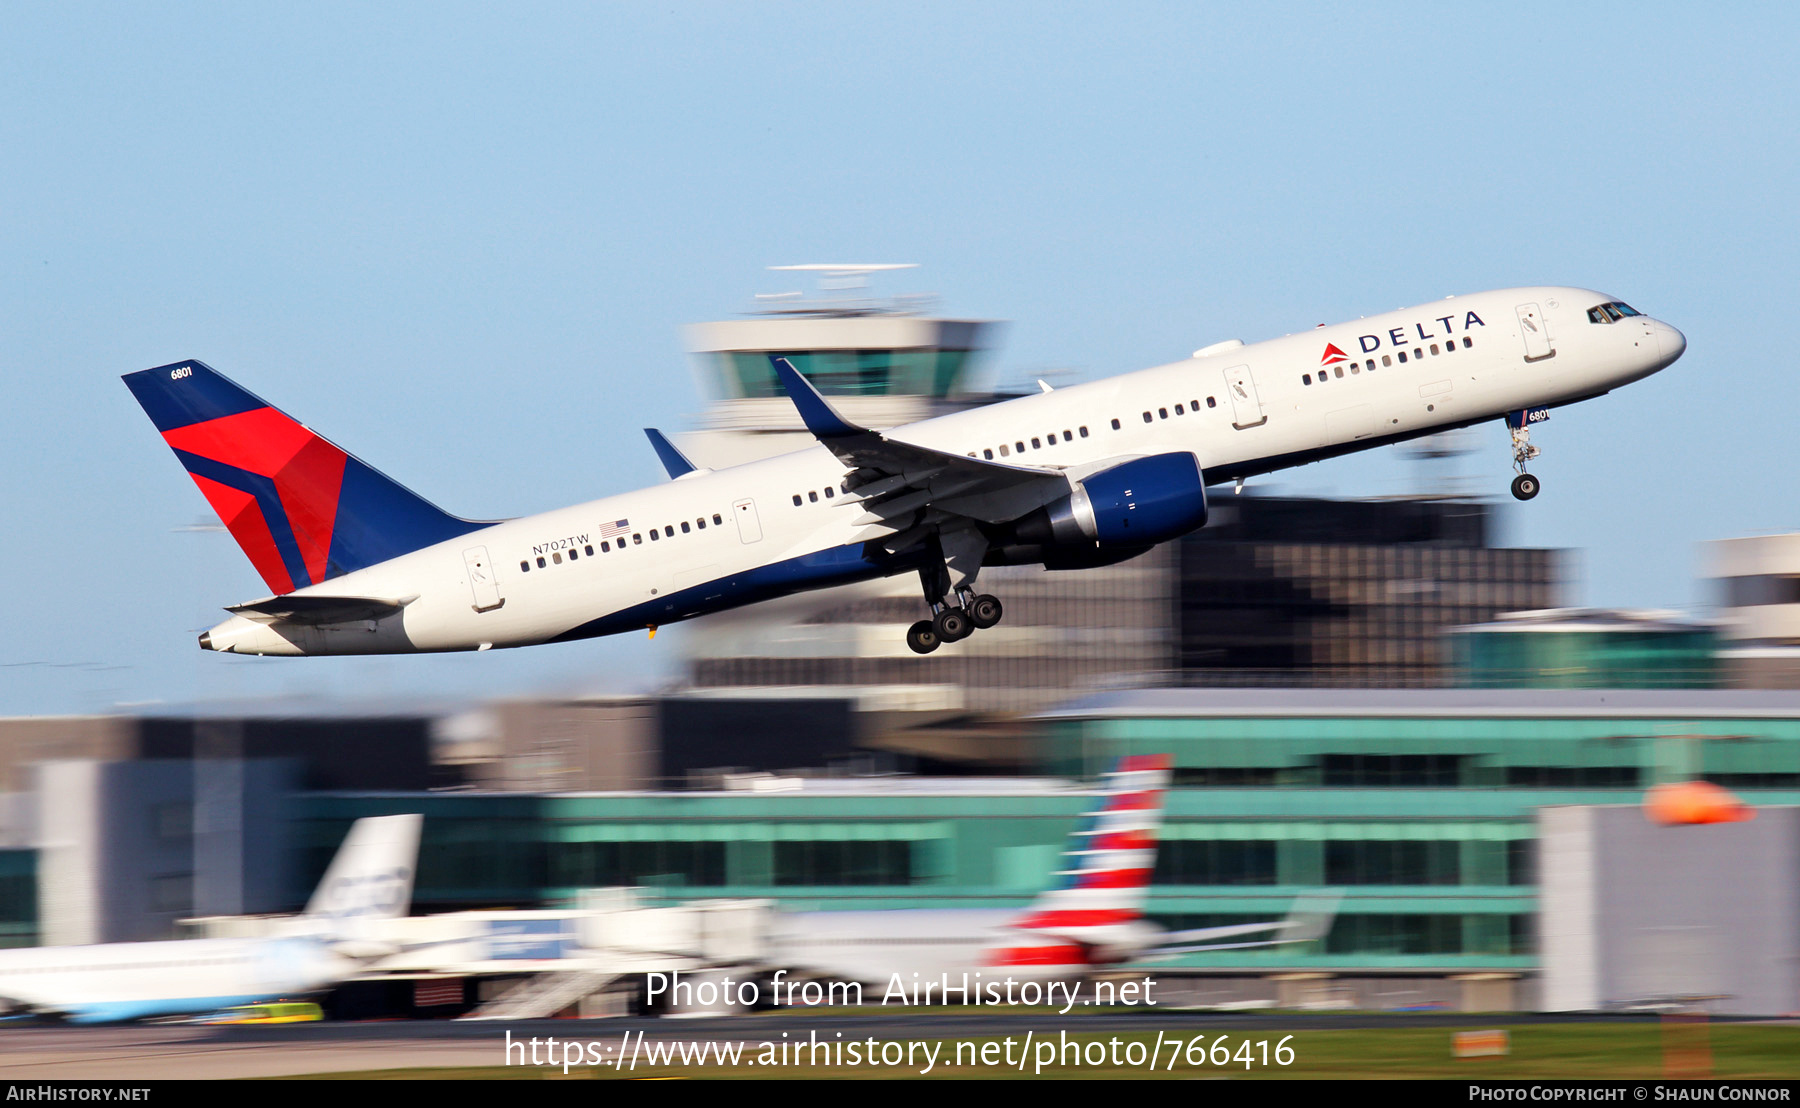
column 817, row 413
column 669, row 454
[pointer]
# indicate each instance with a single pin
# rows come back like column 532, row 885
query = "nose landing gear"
column 1524, row 486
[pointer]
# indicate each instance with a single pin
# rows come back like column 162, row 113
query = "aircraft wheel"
column 985, row 612
column 1525, row 486
column 953, row 625
column 923, row 637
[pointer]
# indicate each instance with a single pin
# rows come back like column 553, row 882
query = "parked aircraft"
column 370, row 878
column 1091, row 917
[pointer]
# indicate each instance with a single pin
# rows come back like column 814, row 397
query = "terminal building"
column 1421, row 804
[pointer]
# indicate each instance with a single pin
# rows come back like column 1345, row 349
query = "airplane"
column 1089, row 919
column 370, row 878
column 1067, row 478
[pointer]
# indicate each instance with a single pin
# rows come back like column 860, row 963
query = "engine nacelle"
column 1133, row 505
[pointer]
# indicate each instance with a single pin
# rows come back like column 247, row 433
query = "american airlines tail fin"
column 372, row 875
column 302, row 509
column 1104, row 878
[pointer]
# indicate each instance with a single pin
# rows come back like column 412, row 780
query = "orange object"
column 1694, row 802
column 1480, row 1044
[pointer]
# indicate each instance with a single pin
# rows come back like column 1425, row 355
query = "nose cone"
column 1670, row 342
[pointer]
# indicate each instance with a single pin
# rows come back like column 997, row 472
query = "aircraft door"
column 1246, row 406
column 1535, row 331
column 481, row 579
column 749, row 527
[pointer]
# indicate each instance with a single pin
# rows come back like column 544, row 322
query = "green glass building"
column 1419, row 804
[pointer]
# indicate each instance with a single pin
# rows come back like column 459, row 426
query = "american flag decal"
column 615, row 528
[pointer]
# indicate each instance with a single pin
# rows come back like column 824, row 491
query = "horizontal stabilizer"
column 673, row 460
column 315, row 610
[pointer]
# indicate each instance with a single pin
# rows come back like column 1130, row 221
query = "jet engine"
column 1110, row 516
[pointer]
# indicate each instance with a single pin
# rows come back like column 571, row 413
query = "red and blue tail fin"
column 302, row 509
column 1104, row 878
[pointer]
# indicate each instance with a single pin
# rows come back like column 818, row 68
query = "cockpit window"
column 1611, row 312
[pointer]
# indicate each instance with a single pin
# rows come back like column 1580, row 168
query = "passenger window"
column 574, row 555
column 588, row 550
column 684, row 527
column 1211, row 403
column 524, row 567
column 1035, row 444
column 716, row 519
column 700, row 523
column 668, row 532
column 1163, row 413
column 1004, row 452
column 1018, row 448
column 557, row 558
column 637, row 538
column 1337, row 371
column 1370, row 365
column 1354, row 368
column 1306, row 378
column 1148, row 418
column 1179, row 410
column 1402, row 357
column 1434, row 349
column 1115, row 424
column 812, row 495
column 540, row 563
column 829, row 493
column 654, row 535
column 606, row 548
column 988, row 454
column 1068, row 436
column 1467, row 342
column 1387, row 359
column 1084, row 432
column 796, row 500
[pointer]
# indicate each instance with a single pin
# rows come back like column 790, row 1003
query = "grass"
column 1538, row 1051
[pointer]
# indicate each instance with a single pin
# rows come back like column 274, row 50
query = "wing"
column 1308, row 921
column 902, row 477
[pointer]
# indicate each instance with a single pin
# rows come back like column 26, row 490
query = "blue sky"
column 460, row 240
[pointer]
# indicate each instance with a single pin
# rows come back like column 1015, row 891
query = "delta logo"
column 1332, row 355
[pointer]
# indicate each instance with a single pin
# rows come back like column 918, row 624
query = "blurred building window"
column 1214, row 862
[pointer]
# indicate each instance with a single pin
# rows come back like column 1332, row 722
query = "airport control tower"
column 883, row 361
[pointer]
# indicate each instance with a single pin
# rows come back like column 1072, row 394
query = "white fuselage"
column 121, row 981
column 718, row 539
column 878, row 947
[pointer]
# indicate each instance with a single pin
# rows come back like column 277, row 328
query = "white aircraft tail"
column 372, row 875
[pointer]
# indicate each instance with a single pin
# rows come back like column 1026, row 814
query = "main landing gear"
column 956, row 612
column 953, row 623
column 1524, row 486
